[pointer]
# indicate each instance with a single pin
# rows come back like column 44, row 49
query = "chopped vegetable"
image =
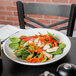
column 28, row 58
column 14, row 40
column 52, row 36
column 26, row 38
column 39, row 33
column 14, row 45
column 31, row 48
column 54, row 43
column 18, row 54
column 62, row 46
column 22, row 42
column 45, row 59
column 50, row 39
column 59, row 51
column 50, row 44
column 23, row 36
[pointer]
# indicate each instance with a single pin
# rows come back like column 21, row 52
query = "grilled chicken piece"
column 41, row 44
column 30, row 41
column 36, row 41
column 52, row 49
column 48, row 55
column 47, row 46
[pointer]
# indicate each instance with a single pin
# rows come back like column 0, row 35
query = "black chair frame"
column 62, row 10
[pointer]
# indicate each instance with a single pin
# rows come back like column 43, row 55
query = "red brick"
column 44, row 21
column 27, row 20
column 54, row 21
column 60, row 1
column 63, row 18
column 15, row 13
column 11, row 8
column 51, row 17
column 16, row 23
column 5, row 13
column 34, row 24
column 42, row 0
column 55, row 27
column 12, row 18
column 14, row 3
column 35, row 16
column 2, row 7
column 73, row 1
column 8, row 3
column 2, row 17
column 28, row 0
column 6, row 22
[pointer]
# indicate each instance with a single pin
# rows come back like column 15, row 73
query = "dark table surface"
column 11, row 68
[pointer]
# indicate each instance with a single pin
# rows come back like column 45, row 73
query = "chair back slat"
column 42, row 9
column 58, row 23
column 62, row 28
column 33, row 20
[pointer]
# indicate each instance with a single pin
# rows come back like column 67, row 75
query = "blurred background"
column 8, row 12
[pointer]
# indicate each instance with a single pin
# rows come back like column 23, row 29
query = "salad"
column 38, row 48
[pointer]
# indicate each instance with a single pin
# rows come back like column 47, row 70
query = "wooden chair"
column 47, row 9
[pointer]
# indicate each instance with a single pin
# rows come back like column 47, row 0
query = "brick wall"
column 8, row 12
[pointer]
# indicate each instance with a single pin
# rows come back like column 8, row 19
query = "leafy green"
column 24, row 54
column 62, row 46
column 14, row 40
column 23, row 49
column 52, row 36
column 59, row 51
column 50, row 44
column 23, row 57
column 45, row 58
column 14, row 46
column 39, row 33
column 18, row 54
column 31, row 48
column 23, row 36
column 39, row 56
column 22, row 42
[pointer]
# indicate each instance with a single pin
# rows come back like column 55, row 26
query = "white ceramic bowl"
column 27, row 32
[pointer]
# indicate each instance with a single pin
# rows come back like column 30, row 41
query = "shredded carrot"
column 20, row 46
column 43, row 40
column 31, row 44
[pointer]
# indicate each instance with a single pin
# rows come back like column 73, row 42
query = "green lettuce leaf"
column 14, row 40
column 14, row 46
column 52, row 36
column 59, row 51
column 62, row 46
